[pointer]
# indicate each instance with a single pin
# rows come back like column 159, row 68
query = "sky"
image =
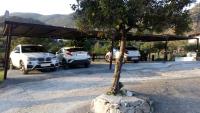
column 45, row 7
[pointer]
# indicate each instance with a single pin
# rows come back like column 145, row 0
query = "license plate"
column 134, row 58
column 46, row 64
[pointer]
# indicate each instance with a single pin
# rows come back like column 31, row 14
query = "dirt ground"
column 174, row 88
column 169, row 96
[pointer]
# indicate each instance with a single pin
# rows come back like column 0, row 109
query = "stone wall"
column 120, row 104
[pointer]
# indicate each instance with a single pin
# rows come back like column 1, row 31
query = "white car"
column 29, row 57
column 131, row 54
column 70, row 56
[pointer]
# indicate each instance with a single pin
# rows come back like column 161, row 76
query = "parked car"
column 131, row 54
column 29, row 57
column 70, row 56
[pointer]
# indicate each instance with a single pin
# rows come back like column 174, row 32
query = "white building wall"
column 193, row 41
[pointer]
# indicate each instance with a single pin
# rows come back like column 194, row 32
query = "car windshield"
column 75, row 49
column 131, row 48
column 30, row 49
column 128, row 48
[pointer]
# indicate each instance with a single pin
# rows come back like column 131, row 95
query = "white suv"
column 131, row 54
column 29, row 57
column 69, row 56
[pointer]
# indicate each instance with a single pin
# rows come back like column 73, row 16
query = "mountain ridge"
column 55, row 19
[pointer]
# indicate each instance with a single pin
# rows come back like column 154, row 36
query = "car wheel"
column 107, row 58
column 136, row 61
column 64, row 64
column 86, row 65
column 53, row 69
column 22, row 67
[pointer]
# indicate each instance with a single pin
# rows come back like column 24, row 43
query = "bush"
column 100, row 49
column 1, row 75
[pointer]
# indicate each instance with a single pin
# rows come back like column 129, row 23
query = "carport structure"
column 19, row 29
column 154, row 38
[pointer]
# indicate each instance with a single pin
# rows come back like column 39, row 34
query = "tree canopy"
column 122, row 16
column 140, row 15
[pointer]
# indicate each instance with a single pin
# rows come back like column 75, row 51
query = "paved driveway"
column 71, row 90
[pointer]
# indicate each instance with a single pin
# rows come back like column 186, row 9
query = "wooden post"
column 197, row 49
column 165, row 56
column 111, row 50
column 7, row 51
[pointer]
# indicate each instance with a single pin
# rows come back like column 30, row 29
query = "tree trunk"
column 115, row 84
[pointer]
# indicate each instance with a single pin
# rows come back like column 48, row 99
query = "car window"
column 29, row 49
column 17, row 49
column 128, row 48
column 131, row 48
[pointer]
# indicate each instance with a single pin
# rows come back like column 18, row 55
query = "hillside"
column 56, row 19
column 68, row 21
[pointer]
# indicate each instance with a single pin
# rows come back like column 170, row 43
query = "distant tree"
column 159, row 46
column 121, row 16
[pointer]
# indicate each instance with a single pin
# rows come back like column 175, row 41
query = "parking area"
column 174, row 86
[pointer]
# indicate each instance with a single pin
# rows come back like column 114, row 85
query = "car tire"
column 136, row 61
column 107, row 58
column 22, row 67
column 86, row 65
column 53, row 69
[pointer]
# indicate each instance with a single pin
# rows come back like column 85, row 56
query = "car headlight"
column 31, row 59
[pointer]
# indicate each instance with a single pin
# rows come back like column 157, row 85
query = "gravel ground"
column 174, row 88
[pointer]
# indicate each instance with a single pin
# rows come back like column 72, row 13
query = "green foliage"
column 1, row 76
column 50, row 44
column 121, row 16
column 191, row 47
column 101, row 48
column 181, row 54
column 146, row 47
column 173, row 45
column 85, row 43
column 1, row 48
column 152, row 15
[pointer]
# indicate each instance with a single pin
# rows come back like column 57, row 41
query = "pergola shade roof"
column 150, row 38
column 43, row 31
column 46, row 31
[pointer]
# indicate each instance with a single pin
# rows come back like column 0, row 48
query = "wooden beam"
column 165, row 56
column 7, row 51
